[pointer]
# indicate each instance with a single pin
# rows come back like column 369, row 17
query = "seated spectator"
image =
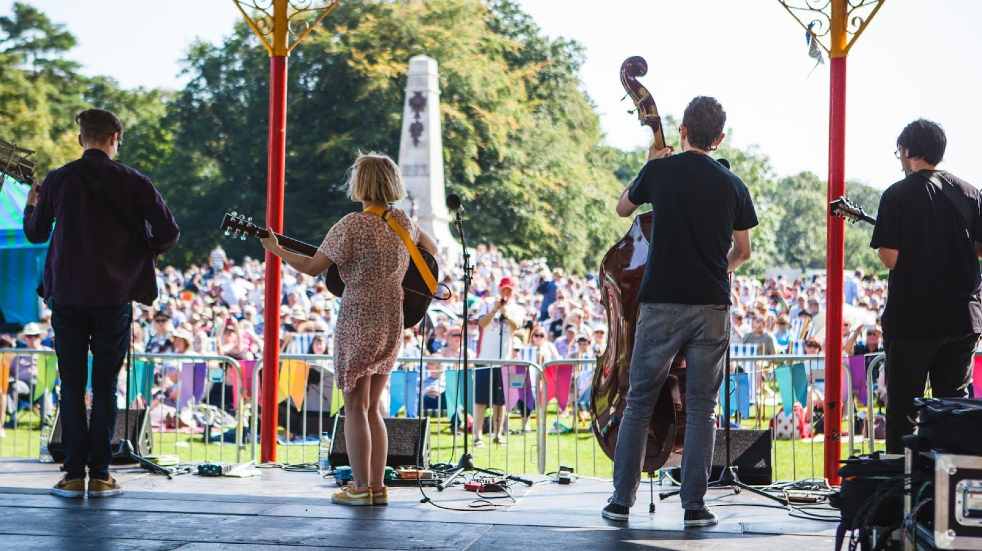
column 22, row 371
column 737, row 327
column 782, row 337
column 599, row 339
column 566, row 342
column 438, row 339
column 160, row 337
column 759, row 337
column 816, row 372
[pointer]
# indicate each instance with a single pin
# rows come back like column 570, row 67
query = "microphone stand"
column 466, row 462
column 125, row 449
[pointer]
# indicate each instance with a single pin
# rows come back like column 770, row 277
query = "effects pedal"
column 565, row 475
column 492, row 487
column 473, row 486
column 415, row 474
column 213, row 469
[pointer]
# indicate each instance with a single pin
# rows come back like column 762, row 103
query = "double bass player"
column 703, row 214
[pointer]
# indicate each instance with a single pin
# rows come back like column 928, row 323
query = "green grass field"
column 519, row 454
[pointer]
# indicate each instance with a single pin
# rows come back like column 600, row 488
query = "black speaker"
column 750, row 453
column 138, row 434
column 409, row 443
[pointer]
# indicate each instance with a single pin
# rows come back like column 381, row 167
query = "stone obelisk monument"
column 421, row 153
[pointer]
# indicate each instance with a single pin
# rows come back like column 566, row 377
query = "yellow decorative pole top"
column 836, row 24
column 282, row 25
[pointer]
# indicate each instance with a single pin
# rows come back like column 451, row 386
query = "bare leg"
column 479, row 420
column 3, row 411
column 380, row 437
column 498, row 419
column 357, row 434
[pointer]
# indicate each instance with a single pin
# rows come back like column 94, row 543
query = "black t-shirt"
column 934, row 290
column 698, row 203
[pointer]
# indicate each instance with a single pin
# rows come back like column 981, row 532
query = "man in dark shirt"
column 928, row 232
column 111, row 221
column 702, row 217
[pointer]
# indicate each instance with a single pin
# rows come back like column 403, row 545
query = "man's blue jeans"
column 106, row 330
column 700, row 333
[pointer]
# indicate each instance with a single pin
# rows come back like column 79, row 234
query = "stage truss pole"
column 280, row 25
column 834, row 25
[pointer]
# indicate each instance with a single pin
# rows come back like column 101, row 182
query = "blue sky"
column 918, row 58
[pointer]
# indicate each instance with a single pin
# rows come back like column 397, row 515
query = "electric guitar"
column 416, row 298
column 844, row 208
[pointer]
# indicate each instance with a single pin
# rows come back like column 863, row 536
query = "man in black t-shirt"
column 702, row 217
column 928, row 233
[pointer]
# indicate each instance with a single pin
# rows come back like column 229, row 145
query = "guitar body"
column 416, row 297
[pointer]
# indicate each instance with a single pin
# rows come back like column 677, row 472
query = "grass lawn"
column 519, row 454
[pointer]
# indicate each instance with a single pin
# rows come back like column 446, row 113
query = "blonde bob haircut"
column 375, row 177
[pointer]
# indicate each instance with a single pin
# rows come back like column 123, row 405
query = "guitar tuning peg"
column 250, row 220
column 234, row 214
column 227, row 233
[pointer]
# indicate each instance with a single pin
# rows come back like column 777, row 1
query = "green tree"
column 800, row 234
column 858, row 235
column 519, row 133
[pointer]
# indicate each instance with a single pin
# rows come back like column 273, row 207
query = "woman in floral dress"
column 372, row 261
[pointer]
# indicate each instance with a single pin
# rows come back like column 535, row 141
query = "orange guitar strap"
column 414, row 254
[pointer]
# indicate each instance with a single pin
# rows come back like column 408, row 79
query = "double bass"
column 620, row 284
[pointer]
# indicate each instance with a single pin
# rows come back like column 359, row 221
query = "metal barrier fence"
column 560, row 391
column 25, row 396
column 776, row 383
column 199, row 371
column 444, row 420
column 530, row 391
column 36, row 398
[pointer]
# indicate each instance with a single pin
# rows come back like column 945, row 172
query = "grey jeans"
column 700, row 333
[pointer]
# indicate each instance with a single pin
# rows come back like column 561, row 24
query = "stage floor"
column 292, row 510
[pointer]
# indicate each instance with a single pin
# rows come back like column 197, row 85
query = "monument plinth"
column 421, row 153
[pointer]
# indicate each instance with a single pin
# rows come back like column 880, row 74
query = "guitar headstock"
column 236, row 225
column 844, row 208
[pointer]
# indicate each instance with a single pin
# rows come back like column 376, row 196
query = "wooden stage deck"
column 291, row 510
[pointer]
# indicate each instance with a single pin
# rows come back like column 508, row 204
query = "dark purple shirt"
column 96, row 251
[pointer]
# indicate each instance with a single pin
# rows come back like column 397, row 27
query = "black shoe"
column 700, row 517
column 616, row 512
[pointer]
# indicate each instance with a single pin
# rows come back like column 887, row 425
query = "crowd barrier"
column 197, row 380
column 172, row 417
column 293, row 384
column 552, row 399
column 28, row 402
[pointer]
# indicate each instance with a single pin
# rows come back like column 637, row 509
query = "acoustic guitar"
column 416, row 298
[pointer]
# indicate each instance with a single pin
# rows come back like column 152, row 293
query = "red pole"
column 835, row 248
column 274, row 219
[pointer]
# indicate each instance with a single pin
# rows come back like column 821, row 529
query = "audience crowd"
column 218, row 309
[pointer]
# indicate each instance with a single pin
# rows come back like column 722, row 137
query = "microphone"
column 453, row 202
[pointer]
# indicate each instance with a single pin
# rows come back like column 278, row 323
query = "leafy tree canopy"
column 522, row 141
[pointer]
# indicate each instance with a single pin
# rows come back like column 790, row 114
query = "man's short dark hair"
column 703, row 119
column 98, row 125
column 923, row 139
